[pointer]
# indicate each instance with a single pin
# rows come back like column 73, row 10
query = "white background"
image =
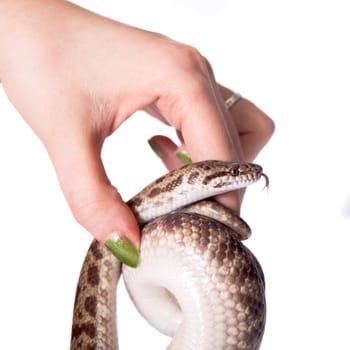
column 292, row 59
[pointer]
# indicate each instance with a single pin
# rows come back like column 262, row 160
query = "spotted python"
column 196, row 281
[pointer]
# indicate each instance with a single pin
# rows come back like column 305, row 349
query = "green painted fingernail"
column 123, row 249
column 184, row 156
column 155, row 148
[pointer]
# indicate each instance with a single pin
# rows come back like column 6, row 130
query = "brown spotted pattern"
column 236, row 305
column 231, row 272
column 192, row 178
column 212, row 209
column 192, row 183
column 94, row 325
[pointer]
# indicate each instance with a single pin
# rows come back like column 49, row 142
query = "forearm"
column 19, row 26
column 27, row 27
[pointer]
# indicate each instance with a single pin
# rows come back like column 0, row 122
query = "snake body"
column 196, row 281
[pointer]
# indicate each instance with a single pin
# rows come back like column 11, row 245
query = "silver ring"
column 232, row 100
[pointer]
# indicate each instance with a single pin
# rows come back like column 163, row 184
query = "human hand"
column 253, row 127
column 84, row 75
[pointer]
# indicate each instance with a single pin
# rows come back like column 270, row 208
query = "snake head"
column 249, row 171
column 229, row 176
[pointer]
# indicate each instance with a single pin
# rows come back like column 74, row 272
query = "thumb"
column 94, row 202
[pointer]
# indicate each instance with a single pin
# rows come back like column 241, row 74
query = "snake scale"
column 196, row 281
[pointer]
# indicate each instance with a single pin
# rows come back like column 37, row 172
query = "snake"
column 196, row 282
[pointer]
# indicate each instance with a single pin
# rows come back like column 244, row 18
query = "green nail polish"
column 124, row 250
column 184, row 157
column 155, row 148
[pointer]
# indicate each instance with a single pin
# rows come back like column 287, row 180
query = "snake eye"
column 234, row 171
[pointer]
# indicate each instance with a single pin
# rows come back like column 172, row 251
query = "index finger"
column 200, row 115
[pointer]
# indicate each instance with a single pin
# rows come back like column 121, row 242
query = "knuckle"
column 84, row 211
column 91, row 209
column 191, row 80
column 192, row 61
column 193, row 72
column 186, row 60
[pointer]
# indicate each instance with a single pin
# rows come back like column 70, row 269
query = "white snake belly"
column 196, row 283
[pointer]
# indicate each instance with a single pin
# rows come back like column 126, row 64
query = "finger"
column 94, row 202
column 173, row 156
column 254, row 127
column 202, row 118
column 212, row 135
column 166, row 150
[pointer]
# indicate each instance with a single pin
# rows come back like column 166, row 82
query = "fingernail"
column 155, row 148
column 123, row 249
column 184, row 156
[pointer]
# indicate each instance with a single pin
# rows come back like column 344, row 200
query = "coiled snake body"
column 196, row 281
